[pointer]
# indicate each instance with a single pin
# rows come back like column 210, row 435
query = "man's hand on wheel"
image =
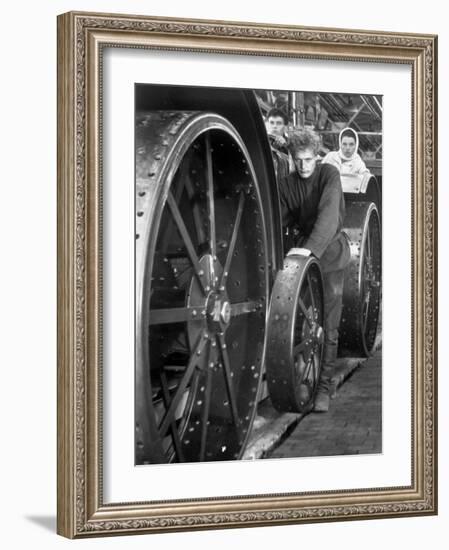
column 299, row 252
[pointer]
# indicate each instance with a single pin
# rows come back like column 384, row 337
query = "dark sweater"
column 315, row 206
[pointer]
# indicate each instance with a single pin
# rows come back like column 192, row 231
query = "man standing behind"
column 313, row 207
column 276, row 125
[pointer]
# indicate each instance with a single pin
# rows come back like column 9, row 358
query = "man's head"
column 304, row 146
column 277, row 121
column 348, row 143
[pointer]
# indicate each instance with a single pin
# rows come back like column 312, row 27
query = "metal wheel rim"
column 362, row 285
column 369, row 282
column 295, row 335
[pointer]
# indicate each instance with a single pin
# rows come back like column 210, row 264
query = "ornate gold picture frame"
column 84, row 472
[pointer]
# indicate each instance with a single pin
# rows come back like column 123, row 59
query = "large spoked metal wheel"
column 295, row 335
column 201, row 288
column 362, row 287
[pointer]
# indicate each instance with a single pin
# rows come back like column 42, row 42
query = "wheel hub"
column 218, row 311
column 211, row 299
column 318, row 334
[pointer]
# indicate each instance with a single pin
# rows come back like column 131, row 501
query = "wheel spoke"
column 167, row 236
column 169, row 415
column 368, row 242
column 210, row 198
column 185, row 237
column 365, row 313
column 228, row 379
column 310, row 288
column 304, row 311
column 365, row 323
column 299, row 348
column 196, row 213
column 166, row 316
column 242, row 308
column 316, row 368
column 233, row 240
column 173, row 427
column 307, row 369
column 205, row 412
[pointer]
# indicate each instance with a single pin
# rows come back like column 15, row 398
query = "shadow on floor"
column 46, row 522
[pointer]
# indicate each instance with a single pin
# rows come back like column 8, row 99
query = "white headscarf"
column 356, row 137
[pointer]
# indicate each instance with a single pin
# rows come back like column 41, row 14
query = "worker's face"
column 305, row 162
column 348, row 146
column 276, row 125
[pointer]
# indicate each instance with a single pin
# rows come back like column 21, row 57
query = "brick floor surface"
column 353, row 424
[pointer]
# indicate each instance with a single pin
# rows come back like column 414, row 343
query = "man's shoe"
column 322, row 400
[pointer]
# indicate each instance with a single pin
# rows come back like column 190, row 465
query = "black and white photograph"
column 246, row 275
column 258, row 274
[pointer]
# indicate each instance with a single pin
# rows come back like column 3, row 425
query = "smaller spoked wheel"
column 295, row 335
column 362, row 288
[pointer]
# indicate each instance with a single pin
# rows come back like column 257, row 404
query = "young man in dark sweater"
column 313, row 209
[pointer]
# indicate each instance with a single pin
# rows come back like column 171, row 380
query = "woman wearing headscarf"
column 346, row 159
